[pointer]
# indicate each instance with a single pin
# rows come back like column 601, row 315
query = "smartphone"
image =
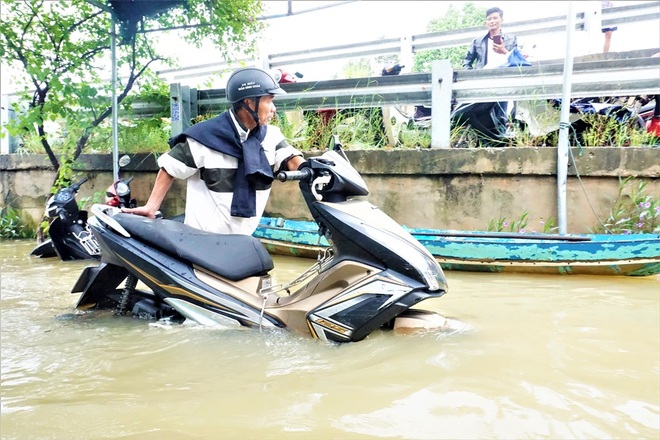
column 497, row 39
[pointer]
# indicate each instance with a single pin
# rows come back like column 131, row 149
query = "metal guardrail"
column 621, row 77
column 342, row 93
column 406, row 46
column 444, row 87
column 633, row 74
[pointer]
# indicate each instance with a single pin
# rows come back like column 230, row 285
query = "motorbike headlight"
column 414, row 253
column 426, row 265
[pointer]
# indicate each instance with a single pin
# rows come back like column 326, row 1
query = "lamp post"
column 564, row 125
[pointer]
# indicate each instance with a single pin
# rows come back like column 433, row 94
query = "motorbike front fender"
column 44, row 250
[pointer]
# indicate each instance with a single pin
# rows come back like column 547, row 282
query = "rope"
column 263, row 308
column 577, row 172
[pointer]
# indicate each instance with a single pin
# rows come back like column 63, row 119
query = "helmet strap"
column 254, row 113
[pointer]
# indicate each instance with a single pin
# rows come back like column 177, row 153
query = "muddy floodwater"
column 535, row 357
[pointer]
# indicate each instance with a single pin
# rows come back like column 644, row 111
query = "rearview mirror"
column 335, row 145
column 124, row 160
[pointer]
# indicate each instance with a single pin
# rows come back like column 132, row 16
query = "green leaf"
column 64, row 50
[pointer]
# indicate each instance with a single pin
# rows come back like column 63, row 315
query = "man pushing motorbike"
column 228, row 161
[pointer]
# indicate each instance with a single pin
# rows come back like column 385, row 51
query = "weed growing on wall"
column 521, row 225
column 503, row 225
column 634, row 210
column 415, row 138
column 11, row 224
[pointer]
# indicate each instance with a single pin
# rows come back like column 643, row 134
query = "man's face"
column 266, row 109
column 494, row 21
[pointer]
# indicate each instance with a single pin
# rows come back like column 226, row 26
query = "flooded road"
column 540, row 357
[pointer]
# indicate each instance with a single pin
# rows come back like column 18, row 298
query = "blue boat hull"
column 474, row 251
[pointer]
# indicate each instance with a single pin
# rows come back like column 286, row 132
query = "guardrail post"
column 441, row 91
column 406, row 55
column 194, row 106
column 179, row 107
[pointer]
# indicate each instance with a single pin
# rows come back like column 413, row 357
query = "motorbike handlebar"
column 77, row 185
column 392, row 70
column 305, row 175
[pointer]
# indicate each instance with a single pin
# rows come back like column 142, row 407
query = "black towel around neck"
column 220, row 134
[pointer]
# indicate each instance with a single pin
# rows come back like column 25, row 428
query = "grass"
column 363, row 127
column 605, row 131
column 12, row 226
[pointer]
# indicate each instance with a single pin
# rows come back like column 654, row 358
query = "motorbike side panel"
column 98, row 282
column 169, row 277
column 354, row 315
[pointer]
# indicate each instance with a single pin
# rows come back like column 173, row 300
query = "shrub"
column 11, row 225
column 634, row 211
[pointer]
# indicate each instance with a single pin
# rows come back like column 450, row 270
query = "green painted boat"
column 477, row 251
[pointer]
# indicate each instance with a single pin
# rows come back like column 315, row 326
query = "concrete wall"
column 448, row 189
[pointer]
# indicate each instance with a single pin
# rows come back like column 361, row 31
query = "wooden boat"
column 475, row 251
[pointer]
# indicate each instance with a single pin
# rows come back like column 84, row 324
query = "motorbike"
column 650, row 114
column 70, row 238
column 282, row 76
column 368, row 279
column 495, row 123
column 416, row 117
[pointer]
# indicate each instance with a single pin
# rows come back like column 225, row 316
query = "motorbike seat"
column 232, row 256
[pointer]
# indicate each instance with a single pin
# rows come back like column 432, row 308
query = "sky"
column 368, row 20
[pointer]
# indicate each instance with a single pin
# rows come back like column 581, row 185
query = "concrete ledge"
column 86, row 162
column 446, row 189
column 604, row 161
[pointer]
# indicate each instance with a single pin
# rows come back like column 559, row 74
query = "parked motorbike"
column 70, row 238
column 487, row 120
column 322, row 117
column 369, row 278
column 282, row 76
column 495, row 123
column 414, row 116
column 650, row 114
